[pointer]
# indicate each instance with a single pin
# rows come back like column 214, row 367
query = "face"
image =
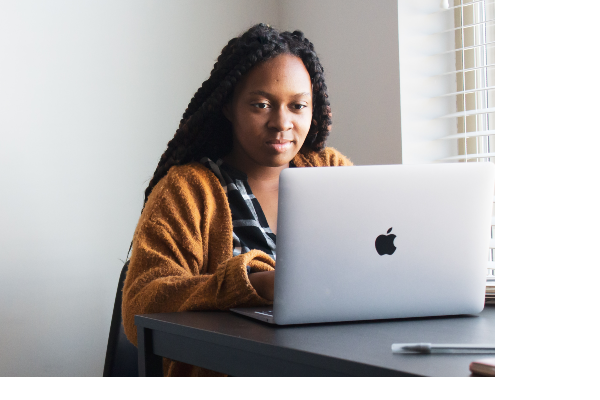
column 271, row 113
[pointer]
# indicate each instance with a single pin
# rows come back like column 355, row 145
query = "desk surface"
column 240, row 346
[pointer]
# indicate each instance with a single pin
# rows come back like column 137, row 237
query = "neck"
column 254, row 171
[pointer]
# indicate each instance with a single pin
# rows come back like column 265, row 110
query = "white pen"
column 442, row 348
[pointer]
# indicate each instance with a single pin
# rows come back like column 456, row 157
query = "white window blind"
column 474, row 38
column 447, row 84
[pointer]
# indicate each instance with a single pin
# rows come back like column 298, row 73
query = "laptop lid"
column 377, row 242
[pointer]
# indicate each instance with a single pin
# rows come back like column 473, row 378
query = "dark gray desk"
column 239, row 346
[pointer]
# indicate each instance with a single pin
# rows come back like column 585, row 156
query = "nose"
column 281, row 120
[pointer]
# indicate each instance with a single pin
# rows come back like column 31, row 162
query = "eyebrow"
column 266, row 94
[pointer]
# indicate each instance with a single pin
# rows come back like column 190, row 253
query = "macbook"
column 380, row 242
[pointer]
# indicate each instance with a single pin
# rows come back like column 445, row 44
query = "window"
column 447, row 84
column 475, row 96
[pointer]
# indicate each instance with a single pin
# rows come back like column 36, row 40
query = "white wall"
column 423, row 60
column 357, row 43
column 91, row 92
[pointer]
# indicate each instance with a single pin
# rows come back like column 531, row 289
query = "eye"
column 299, row 106
column 260, row 105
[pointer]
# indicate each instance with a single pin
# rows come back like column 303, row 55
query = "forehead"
column 279, row 75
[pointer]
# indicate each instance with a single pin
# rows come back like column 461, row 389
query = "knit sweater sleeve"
column 181, row 258
column 328, row 157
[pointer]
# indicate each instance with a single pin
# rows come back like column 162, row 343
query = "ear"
column 227, row 111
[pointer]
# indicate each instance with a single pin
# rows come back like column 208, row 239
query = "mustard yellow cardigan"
column 182, row 251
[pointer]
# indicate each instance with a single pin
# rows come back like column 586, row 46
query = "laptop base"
column 264, row 314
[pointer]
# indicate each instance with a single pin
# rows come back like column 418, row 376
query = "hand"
column 263, row 283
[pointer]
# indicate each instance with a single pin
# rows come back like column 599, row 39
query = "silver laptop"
column 380, row 242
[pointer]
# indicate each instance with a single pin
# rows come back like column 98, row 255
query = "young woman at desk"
column 206, row 236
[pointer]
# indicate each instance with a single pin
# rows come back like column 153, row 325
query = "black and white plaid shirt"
column 250, row 227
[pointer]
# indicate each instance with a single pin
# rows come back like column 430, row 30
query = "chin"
column 279, row 160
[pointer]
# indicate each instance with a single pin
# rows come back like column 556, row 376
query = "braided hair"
column 204, row 130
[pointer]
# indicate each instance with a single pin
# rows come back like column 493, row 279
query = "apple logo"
column 384, row 244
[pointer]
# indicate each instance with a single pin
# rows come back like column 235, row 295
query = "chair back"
column 121, row 355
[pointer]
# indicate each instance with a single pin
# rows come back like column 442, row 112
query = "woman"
column 206, row 237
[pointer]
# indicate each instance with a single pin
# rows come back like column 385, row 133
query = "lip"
column 280, row 145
